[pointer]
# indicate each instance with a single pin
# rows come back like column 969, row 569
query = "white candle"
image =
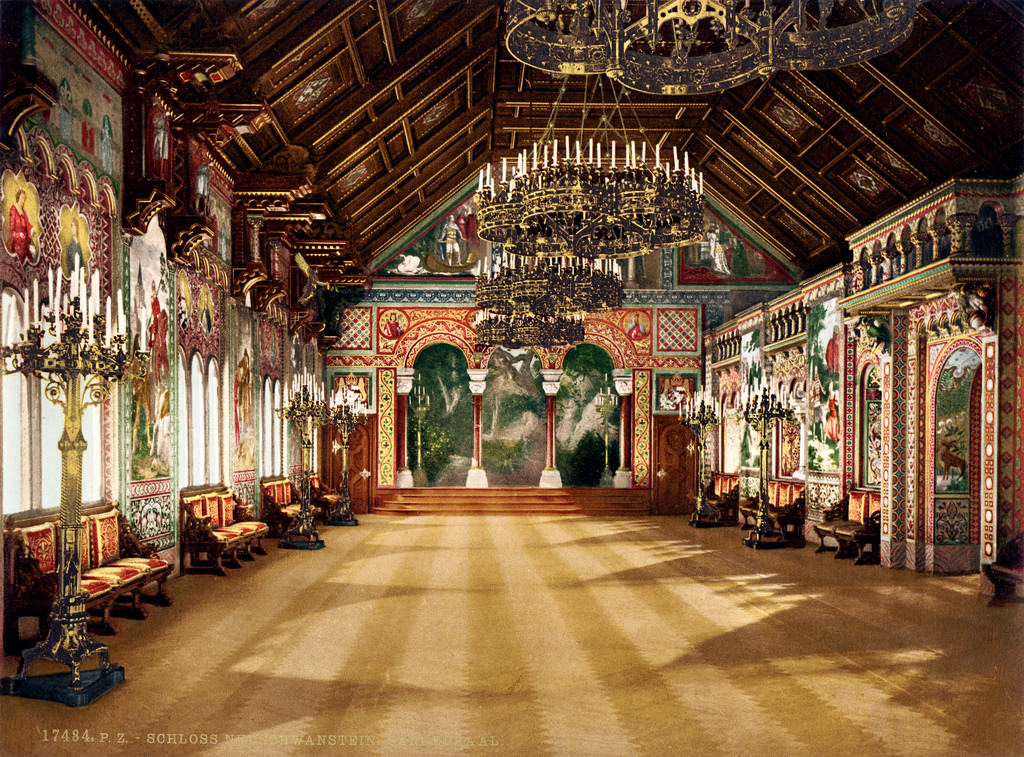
column 599, row 155
column 686, row 162
column 613, row 153
column 590, row 151
column 7, row 320
column 35, row 300
column 120, row 315
column 554, row 151
column 675, row 158
column 535, row 156
column 480, row 182
column 643, row 153
column 701, row 182
column 577, row 152
column 107, row 335
column 49, row 277
column 142, row 338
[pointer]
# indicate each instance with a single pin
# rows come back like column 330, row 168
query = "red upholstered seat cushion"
column 41, row 541
column 148, row 563
column 104, row 536
column 95, row 587
column 248, row 527
column 227, row 509
column 86, row 545
column 115, row 574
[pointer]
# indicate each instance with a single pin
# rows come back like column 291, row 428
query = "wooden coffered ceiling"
column 391, row 106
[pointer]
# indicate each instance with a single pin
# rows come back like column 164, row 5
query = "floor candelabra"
column 306, row 411
column 606, row 403
column 71, row 348
column 762, row 412
column 701, row 418
column 346, row 414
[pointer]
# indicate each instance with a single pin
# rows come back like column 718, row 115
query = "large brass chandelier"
column 686, row 47
column 531, row 302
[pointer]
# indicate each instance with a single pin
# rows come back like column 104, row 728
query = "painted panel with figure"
column 151, row 399
column 824, row 353
column 447, row 245
column 513, row 419
column 586, row 419
column 244, row 395
column 726, row 254
column 953, row 421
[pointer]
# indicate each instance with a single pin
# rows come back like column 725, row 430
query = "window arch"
column 182, row 413
column 196, row 425
column 213, row 420
column 266, row 427
column 275, row 449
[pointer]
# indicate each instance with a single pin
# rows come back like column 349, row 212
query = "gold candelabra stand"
column 701, row 418
column 606, row 402
column 73, row 352
column 345, row 415
column 762, row 412
column 420, row 408
column 307, row 412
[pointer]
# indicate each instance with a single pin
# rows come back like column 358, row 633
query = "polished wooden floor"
column 551, row 635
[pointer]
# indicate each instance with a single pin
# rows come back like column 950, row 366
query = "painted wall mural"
column 151, row 442
column 244, row 393
column 872, row 429
column 21, row 212
column 824, row 353
column 440, row 440
column 586, row 422
column 751, row 372
column 953, row 421
column 447, row 245
column 513, row 419
column 727, row 255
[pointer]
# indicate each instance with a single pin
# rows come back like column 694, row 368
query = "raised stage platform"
column 513, row 501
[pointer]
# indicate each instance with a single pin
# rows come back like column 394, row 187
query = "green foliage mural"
column 953, row 422
column 824, row 332
column 440, row 440
column 583, row 419
column 513, row 419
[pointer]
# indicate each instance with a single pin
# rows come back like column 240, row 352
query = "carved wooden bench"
column 1007, row 572
column 854, row 523
column 116, row 566
column 279, row 504
column 787, row 509
column 216, row 525
column 723, row 493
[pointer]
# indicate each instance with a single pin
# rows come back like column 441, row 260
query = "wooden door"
column 674, row 467
column 361, row 457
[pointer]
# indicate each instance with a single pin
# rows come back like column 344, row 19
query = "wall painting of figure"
column 20, row 220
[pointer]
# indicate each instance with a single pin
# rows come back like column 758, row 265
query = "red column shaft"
column 549, row 461
column 478, row 404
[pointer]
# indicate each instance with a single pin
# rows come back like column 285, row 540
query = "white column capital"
column 623, row 380
column 477, row 380
column 403, row 384
column 551, row 379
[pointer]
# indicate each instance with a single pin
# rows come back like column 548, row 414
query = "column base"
column 476, row 478
column 623, row 478
column 404, row 479
column 57, row 686
column 550, row 478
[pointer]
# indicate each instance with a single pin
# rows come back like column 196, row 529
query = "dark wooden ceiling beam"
column 385, row 29
column 422, row 54
column 353, row 150
column 444, row 139
column 353, row 51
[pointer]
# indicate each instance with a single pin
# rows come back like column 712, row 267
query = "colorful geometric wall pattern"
column 355, row 333
column 386, row 427
column 677, row 330
column 641, row 427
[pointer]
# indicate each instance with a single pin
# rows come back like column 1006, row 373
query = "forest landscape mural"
column 440, row 428
column 513, row 419
column 581, row 422
column 824, row 330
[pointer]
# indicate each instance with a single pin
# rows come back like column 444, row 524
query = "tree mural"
column 579, row 425
column 824, row 328
column 512, row 423
column 440, row 440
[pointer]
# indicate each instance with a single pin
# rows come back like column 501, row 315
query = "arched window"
column 183, row 445
column 275, row 450
column 92, row 460
column 14, row 457
column 266, row 428
column 213, row 420
column 198, row 446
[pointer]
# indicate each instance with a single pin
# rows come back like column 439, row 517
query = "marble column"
column 477, row 476
column 550, row 478
column 402, row 388
column 623, row 380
